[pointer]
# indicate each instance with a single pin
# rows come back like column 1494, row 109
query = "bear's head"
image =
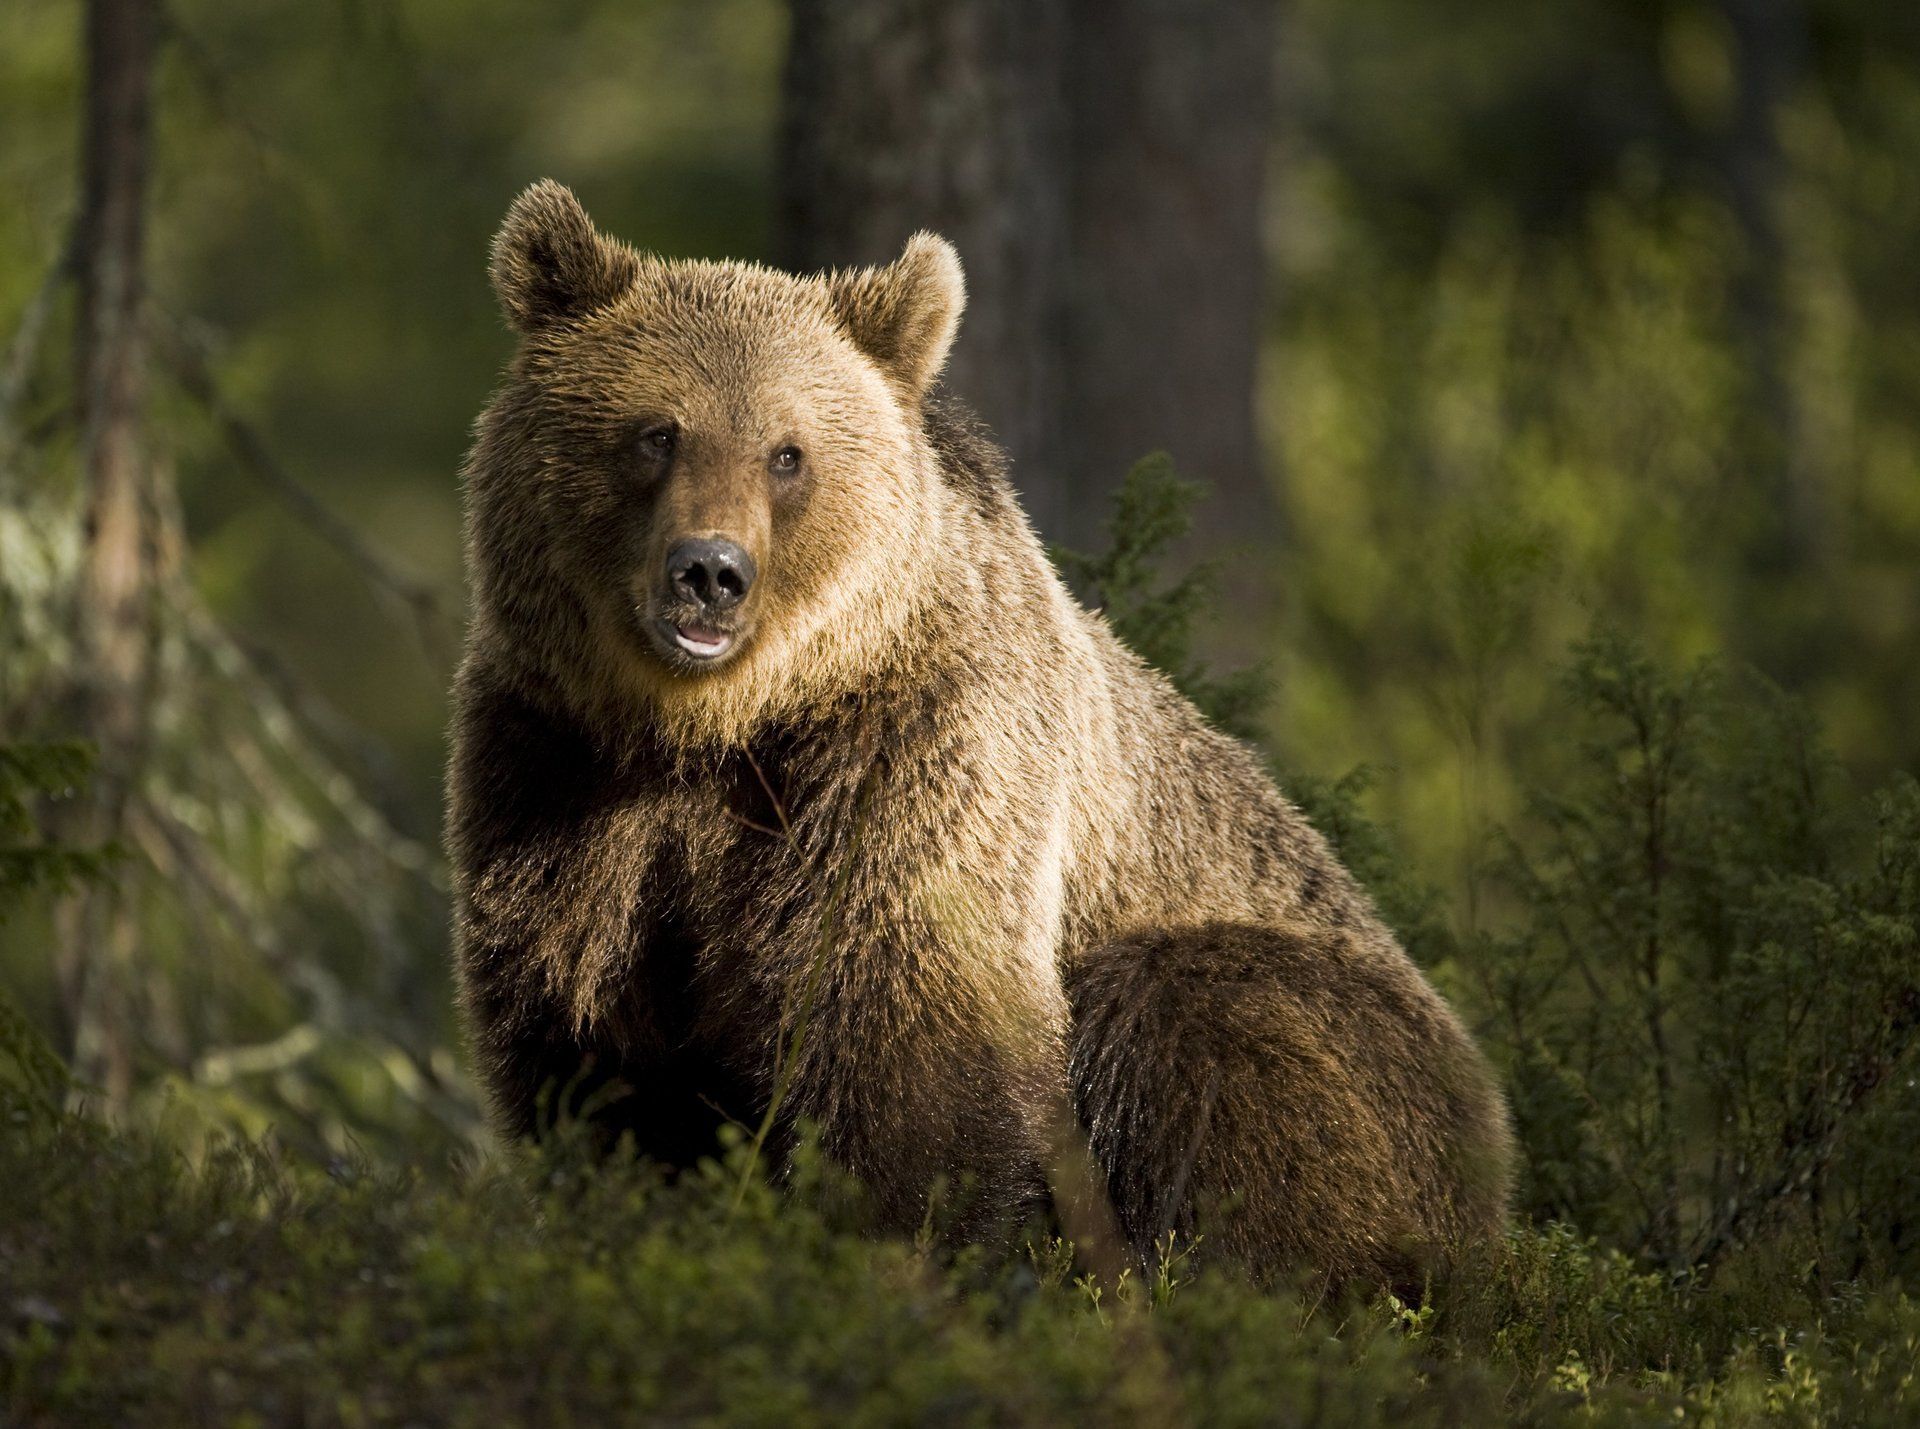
column 703, row 495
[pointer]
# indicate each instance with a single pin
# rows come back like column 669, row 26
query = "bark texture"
column 112, row 610
column 1099, row 167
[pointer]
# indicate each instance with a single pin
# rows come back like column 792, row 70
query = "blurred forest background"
column 1552, row 373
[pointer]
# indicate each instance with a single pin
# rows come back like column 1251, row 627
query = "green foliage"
column 28, row 862
column 1713, row 990
column 1558, row 364
column 283, row 923
column 1640, row 1346
column 33, row 1080
column 545, row 1291
column 1157, row 618
column 541, row 1289
column 1412, row 907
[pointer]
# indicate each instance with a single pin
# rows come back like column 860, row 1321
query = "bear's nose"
column 710, row 572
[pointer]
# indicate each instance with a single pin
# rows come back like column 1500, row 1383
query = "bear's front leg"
column 667, row 1098
column 924, row 1078
column 905, row 963
column 925, row 1083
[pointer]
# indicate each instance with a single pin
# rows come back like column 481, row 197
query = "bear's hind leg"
column 1301, row 1098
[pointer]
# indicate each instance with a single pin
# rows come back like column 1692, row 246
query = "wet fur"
column 1025, row 867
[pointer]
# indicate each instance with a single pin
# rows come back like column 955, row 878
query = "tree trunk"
column 1099, row 167
column 1172, row 122
column 949, row 115
column 113, row 596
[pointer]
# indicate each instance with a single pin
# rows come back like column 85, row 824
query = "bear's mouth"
column 701, row 643
column 692, row 643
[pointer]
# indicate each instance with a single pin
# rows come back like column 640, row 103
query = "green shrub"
column 1160, row 618
column 1711, row 999
column 543, row 1289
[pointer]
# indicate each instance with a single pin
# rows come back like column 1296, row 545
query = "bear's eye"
column 656, row 443
column 786, row 461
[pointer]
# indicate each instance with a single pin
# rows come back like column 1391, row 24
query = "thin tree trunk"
column 112, row 600
column 1099, row 167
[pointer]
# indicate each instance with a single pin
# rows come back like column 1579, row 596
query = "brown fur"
column 1022, row 865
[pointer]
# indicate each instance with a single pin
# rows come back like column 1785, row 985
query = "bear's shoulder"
column 971, row 461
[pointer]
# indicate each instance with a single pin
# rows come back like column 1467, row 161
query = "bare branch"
column 436, row 626
column 1809, row 1145
column 177, row 851
column 222, row 1065
column 284, row 713
column 754, row 824
column 24, row 349
column 779, row 808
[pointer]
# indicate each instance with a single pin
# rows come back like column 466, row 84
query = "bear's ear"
column 904, row 315
column 549, row 263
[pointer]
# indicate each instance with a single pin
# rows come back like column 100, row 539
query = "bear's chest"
column 749, row 854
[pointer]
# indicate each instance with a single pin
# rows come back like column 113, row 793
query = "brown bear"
column 784, row 766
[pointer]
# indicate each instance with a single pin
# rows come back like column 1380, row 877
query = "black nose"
column 714, row 573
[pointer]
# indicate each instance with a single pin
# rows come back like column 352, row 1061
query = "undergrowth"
column 245, row 1285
